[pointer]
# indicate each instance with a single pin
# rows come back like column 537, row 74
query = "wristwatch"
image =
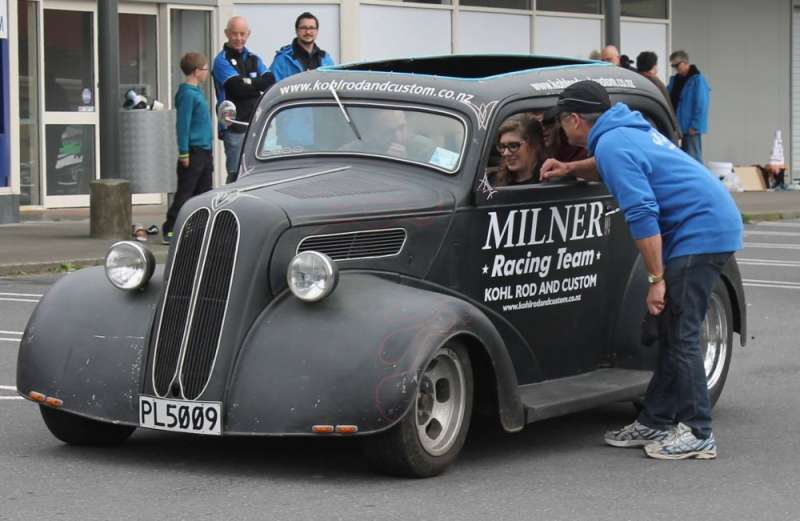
column 654, row 279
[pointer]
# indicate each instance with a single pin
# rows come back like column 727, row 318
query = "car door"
column 539, row 260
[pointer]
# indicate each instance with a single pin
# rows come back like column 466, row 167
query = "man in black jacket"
column 241, row 77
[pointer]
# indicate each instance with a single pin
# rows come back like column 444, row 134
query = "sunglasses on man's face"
column 676, row 65
column 512, row 146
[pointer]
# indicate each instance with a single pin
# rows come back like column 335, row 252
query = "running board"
column 576, row 393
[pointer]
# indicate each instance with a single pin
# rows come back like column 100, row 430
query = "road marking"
column 18, row 300
column 756, row 283
column 771, row 233
column 21, row 295
column 17, row 340
column 790, row 224
column 9, row 333
column 8, row 388
column 776, row 246
column 11, row 398
column 762, row 262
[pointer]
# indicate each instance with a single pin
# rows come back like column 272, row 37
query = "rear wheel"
column 77, row 430
column 428, row 439
column 716, row 340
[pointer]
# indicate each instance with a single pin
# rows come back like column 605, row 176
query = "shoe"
column 152, row 229
column 683, row 445
column 635, row 435
column 167, row 238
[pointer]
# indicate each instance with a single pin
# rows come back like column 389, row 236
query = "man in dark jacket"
column 689, row 93
column 302, row 54
column 647, row 66
column 239, row 76
column 686, row 226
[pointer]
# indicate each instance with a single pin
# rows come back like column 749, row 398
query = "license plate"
column 180, row 415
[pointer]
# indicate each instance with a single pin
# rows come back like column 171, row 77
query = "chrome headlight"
column 312, row 276
column 129, row 265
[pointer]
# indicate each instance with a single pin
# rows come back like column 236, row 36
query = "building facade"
column 53, row 63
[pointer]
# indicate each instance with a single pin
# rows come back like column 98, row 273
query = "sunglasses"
column 512, row 147
column 676, row 65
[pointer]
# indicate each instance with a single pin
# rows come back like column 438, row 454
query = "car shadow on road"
column 298, row 459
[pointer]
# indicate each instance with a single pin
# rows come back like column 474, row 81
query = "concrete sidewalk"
column 58, row 240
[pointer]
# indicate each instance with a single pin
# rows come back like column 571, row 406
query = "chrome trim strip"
column 402, row 245
column 420, row 108
column 282, row 181
column 164, row 303
column 227, row 300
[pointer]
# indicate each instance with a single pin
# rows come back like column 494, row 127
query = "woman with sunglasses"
column 521, row 147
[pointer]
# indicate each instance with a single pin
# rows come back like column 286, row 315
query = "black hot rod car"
column 365, row 277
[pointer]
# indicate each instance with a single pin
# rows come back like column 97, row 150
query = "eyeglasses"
column 309, row 28
column 512, row 146
column 676, row 65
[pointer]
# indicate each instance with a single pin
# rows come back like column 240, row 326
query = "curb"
column 62, row 266
column 748, row 217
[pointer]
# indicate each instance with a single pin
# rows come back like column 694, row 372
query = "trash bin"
column 148, row 150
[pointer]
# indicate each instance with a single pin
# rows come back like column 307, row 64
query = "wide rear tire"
column 77, row 430
column 428, row 439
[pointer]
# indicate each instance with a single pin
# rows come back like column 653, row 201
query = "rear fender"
column 353, row 358
column 85, row 344
column 733, row 282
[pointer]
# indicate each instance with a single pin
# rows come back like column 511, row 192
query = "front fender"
column 85, row 344
column 353, row 358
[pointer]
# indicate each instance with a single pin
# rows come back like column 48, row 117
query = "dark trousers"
column 678, row 391
column 693, row 145
column 192, row 180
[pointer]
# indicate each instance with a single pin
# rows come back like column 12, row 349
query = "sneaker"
column 635, row 435
column 683, row 445
column 167, row 238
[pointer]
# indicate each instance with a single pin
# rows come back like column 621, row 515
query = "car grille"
column 356, row 245
column 194, row 307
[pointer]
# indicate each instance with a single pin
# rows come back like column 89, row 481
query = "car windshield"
column 433, row 139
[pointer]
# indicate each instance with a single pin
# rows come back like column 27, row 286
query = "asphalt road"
column 555, row 470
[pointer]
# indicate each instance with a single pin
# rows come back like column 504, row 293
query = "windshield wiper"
column 345, row 114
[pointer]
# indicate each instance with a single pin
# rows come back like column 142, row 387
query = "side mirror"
column 226, row 114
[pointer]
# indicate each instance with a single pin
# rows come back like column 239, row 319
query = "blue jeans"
column 678, row 391
column 693, row 145
column 233, row 151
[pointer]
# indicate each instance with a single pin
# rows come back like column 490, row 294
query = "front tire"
column 430, row 436
column 716, row 340
column 77, row 430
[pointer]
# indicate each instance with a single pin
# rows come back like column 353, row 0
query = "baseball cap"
column 584, row 97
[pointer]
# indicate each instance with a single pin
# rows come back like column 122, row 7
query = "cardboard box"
column 750, row 178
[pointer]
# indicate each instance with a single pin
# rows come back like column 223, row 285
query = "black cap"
column 584, row 97
column 550, row 114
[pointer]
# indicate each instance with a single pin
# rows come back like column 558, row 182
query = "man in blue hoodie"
column 689, row 94
column 686, row 227
column 302, row 54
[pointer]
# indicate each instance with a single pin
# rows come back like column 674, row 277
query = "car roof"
column 467, row 66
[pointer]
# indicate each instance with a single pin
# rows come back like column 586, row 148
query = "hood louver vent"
column 356, row 245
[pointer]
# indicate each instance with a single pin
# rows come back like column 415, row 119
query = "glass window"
column 138, row 59
column 70, row 159
column 29, row 167
column 421, row 137
column 191, row 32
column 437, row 2
column 68, row 61
column 645, row 8
column 502, row 4
column 570, row 6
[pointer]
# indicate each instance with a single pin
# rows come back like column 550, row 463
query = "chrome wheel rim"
column 440, row 404
column 714, row 340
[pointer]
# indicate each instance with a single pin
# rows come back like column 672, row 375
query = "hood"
column 343, row 193
column 617, row 116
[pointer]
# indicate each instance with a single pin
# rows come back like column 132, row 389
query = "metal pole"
column 110, row 101
column 613, row 12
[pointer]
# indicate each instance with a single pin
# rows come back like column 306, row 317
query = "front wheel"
column 428, row 439
column 716, row 340
column 77, row 430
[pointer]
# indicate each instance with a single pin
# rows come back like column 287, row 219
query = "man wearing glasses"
column 302, row 54
column 686, row 226
column 688, row 91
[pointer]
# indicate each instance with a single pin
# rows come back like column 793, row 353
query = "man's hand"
column 184, row 162
column 655, row 297
column 692, row 132
column 553, row 168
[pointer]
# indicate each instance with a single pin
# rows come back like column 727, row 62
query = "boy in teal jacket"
column 193, row 125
